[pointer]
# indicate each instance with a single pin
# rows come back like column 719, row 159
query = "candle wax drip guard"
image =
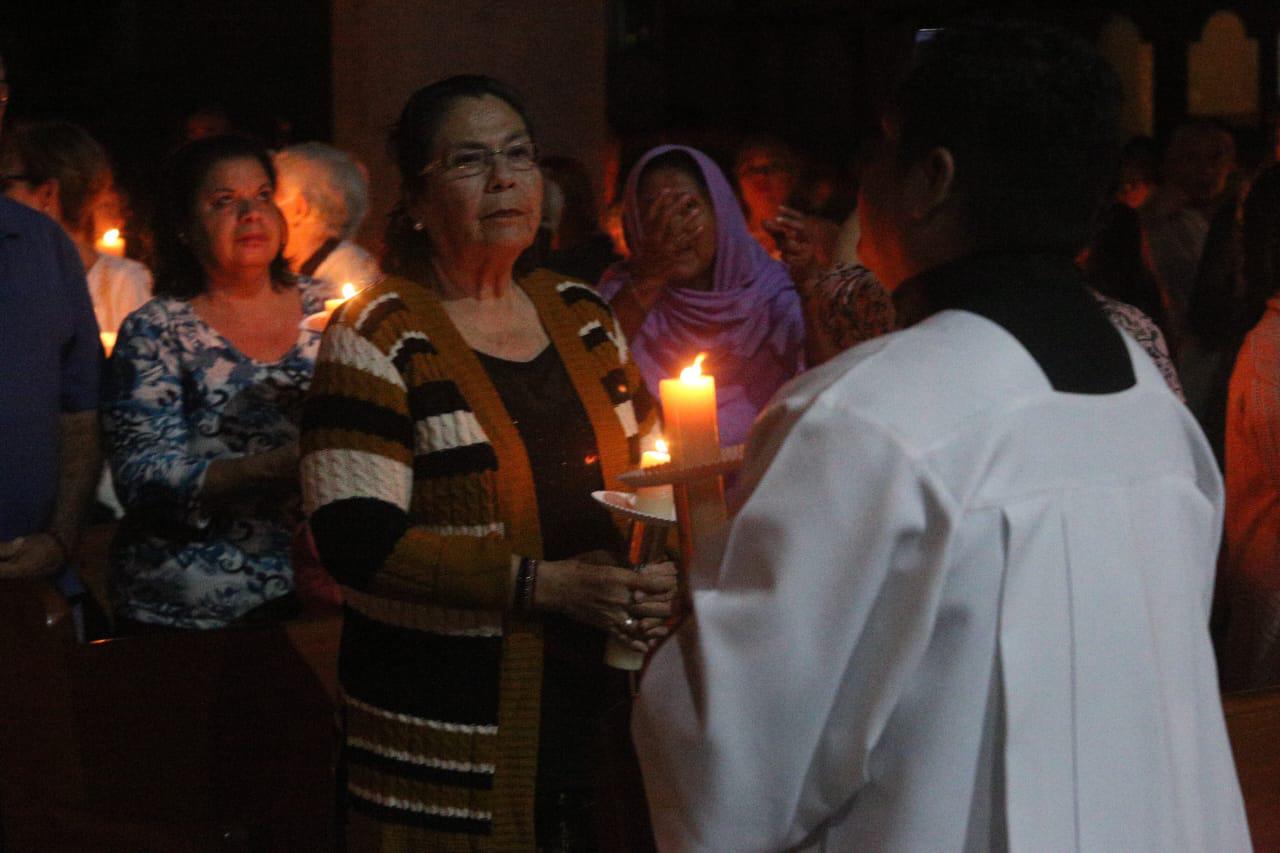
column 700, row 509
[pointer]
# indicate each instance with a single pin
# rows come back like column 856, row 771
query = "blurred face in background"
column 766, row 177
column 1199, row 159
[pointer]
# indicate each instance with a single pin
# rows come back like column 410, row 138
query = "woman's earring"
column 418, row 226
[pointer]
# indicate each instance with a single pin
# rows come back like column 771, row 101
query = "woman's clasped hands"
column 633, row 606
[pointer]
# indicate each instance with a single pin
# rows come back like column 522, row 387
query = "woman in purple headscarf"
column 697, row 281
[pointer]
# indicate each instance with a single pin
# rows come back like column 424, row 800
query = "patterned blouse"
column 853, row 306
column 179, row 395
column 1144, row 330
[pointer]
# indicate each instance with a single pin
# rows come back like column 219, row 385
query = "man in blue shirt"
column 50, row 365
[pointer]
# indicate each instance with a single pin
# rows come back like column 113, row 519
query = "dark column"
column 1169, row 49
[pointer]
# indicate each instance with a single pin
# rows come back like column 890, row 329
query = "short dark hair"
column 178, row 269
column 1031, row 116
column 66, row 152
column 411, row 144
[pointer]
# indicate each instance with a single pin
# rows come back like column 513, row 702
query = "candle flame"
column 111, row 237
column 660, row 446
column 693, row 371
column 348, row 290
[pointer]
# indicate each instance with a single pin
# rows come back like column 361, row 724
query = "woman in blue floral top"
column 201, row 409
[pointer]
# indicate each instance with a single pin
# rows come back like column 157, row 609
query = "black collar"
column 319, row 256
column 1042, row 301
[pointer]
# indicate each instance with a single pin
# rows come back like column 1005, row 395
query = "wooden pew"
column 192, row 741
column 1253, row 722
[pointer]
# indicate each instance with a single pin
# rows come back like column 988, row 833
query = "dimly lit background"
column 604, row 78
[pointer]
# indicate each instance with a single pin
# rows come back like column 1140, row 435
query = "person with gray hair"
column 324, row 196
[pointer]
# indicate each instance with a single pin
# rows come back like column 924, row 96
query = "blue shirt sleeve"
column 82, row 352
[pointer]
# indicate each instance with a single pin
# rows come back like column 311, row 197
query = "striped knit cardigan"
column 419, row 492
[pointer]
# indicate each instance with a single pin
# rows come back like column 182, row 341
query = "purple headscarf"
column 749, row 323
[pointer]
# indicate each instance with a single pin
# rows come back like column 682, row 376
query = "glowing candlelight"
column 111, row 243
column 348, row 291
column 693, row 373
column 689, row 414
column 656, row 500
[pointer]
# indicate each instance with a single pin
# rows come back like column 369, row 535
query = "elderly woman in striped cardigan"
column 461, row 414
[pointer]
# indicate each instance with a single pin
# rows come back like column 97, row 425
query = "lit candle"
column 656, row 500
column 348, row 291
column 111, row 243
column 689, row 415
column 108, row 341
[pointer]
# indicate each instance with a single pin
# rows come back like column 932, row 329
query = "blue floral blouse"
column 178, row 396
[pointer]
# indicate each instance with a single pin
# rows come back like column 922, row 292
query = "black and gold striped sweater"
column 419, row 492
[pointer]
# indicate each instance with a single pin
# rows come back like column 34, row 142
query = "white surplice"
column 957, row 610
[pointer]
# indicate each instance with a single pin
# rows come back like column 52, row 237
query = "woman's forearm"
column 633, row 303
column 227, row 479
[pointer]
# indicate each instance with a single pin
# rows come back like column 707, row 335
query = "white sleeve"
column 755, row 726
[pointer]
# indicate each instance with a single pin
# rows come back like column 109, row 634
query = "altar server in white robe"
column 964, row 602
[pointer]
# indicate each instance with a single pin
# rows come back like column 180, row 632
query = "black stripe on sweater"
column 439, row 397
column 354, row 537
column 432, row 676
column 641, row 402
column 410, row 347
column 616, row 386
column 405, row 817
column 469, row 459
column 334, row 411
column 471, row 779
column 595, row 337
column 574, row 295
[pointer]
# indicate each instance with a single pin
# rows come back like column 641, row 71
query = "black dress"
column 577, row 688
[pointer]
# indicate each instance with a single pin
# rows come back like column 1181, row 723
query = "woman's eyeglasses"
column 469, row 162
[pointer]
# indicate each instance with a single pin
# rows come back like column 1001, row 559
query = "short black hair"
column 407, row 250
column 1030, row 114
column 178, row 269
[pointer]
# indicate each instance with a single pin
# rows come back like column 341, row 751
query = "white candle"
column 689, row 412
column 656, row 500
column 348, row 291
column 689, row 415
column 111, row 243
